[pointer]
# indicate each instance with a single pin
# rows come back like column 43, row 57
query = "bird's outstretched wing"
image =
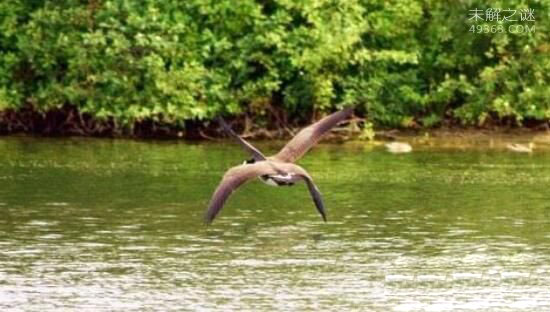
column 317, row 198
column 256, row 154
column 308, row 136
column 232, row 179
column 313, row 190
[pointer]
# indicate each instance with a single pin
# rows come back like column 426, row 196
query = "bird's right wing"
column 234, row 178
column 256, row 154
column 308, row 136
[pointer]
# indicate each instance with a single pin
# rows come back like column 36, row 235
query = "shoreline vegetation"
column 69, row 122
column 171, row 68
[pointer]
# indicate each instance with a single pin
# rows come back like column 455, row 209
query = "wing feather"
column 256, row 154
column 317, row 198
column 313, row 190
column 308, row 136
column 234, row 178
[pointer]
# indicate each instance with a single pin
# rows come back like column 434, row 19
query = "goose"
column 398, row 147
column 277, row 170
column 521, row 148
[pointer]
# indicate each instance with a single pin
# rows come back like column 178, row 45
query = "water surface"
column 102, row 225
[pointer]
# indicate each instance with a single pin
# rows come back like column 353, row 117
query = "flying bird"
column 276, row 170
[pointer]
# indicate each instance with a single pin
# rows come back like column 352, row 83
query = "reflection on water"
column 99, row 225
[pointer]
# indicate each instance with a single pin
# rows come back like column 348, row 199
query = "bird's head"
column 249, row 161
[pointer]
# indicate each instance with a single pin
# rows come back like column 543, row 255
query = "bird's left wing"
column 234, row 178
column 317, row 198
column 313, row 190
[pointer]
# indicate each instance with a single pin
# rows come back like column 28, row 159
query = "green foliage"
column 475, row 74
column 368, row 132
column 402, row 63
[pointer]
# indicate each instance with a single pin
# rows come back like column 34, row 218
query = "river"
column 104, row 225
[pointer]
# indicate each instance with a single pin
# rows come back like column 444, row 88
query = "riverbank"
column 69, row 122
column 421, row 139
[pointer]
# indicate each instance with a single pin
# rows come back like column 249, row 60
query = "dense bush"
column 400, row 63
